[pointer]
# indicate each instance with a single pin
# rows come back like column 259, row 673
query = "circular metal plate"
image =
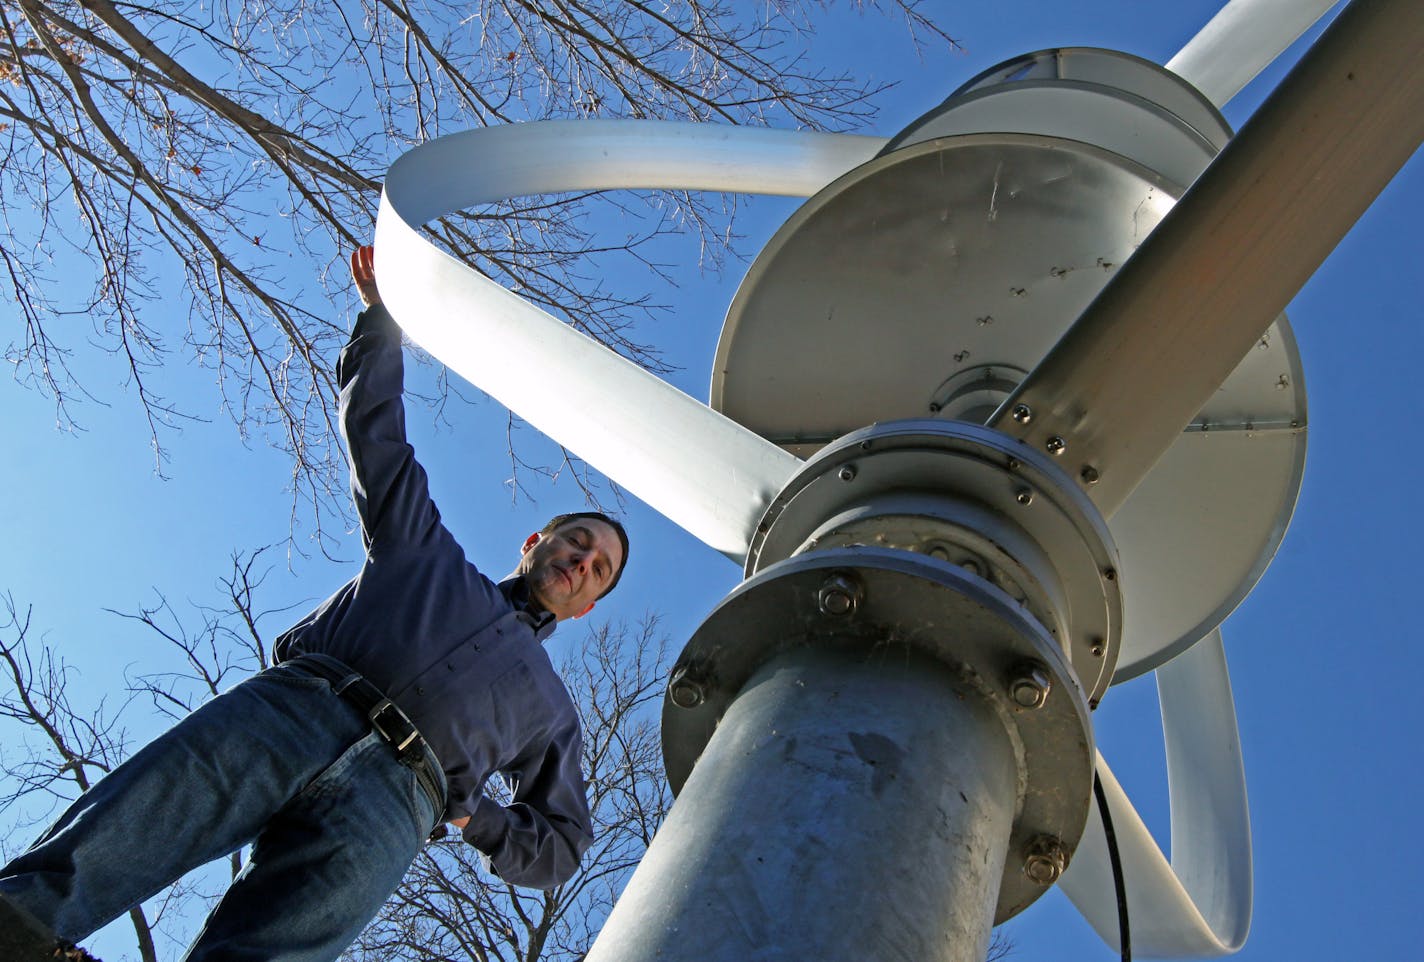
column 936, row 608
column 1108, row 70
column 1111, row 119
column 980, row 250
column 974, row 463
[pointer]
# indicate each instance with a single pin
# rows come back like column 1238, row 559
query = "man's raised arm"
column 391, row 490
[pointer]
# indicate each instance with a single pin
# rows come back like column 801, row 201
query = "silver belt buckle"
column 374, row 716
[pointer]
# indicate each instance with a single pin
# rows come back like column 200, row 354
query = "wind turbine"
column 933, row 606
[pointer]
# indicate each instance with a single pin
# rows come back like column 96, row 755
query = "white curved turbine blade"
column 1178, row 317
column 1199, row 904
column 1241, row 41
column 702, row 470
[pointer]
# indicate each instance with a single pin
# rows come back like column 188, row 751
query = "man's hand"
column 460, row 822
column 363, row 272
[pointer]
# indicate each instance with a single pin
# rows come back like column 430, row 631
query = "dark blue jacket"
column 461, row 655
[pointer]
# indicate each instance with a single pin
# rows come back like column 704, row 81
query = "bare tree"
column 54, row 750
column 171, row 174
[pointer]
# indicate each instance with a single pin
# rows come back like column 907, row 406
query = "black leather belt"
column 386, row 718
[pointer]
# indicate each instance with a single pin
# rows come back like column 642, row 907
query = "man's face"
column 568, row 568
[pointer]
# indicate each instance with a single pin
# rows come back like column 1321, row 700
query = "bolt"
column 1096, row 647
column 1089, row 474
column 1045, row 860
column 847, row 472
column 840, row 594
column 1022, row 413
column 1030, row 687
column 1056, row 445
column 1023, row 496
column 1014, row 464
column 685, row 689
column 1110, row 574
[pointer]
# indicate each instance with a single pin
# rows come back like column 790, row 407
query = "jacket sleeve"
column 538, row 839
column 390, row 488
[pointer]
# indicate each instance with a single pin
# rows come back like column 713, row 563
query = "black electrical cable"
column 1116, row 861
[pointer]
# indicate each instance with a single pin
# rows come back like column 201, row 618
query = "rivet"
column 1022, row 413
column 1097, row 648
column 1089, row 474
column 1056, row 445
column 1024, row 496
column 1110, row 574
column 847, row 472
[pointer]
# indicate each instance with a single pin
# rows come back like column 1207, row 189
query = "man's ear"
column 529, row 542
column 585, row 611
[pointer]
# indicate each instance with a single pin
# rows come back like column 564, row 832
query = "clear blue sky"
column 1324, row 658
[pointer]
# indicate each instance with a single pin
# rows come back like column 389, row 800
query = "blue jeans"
column 280, row 761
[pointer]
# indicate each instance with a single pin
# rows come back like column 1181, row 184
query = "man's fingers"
column 363, row 272
column 363, row 264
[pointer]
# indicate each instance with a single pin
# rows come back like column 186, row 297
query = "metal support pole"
column 852, row 805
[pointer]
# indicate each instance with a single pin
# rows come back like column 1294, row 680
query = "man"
column 392, row 704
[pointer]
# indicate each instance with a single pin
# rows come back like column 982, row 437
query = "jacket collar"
column 516, row 590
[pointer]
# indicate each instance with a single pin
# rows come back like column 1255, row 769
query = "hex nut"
column 1045, row 860
column 1030, row 687
column 685, row 689
column 839, row 594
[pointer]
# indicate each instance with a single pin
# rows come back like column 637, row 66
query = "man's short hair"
column 559, row 520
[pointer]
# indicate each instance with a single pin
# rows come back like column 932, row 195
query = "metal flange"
column 878, row 601
column 1026, row 507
